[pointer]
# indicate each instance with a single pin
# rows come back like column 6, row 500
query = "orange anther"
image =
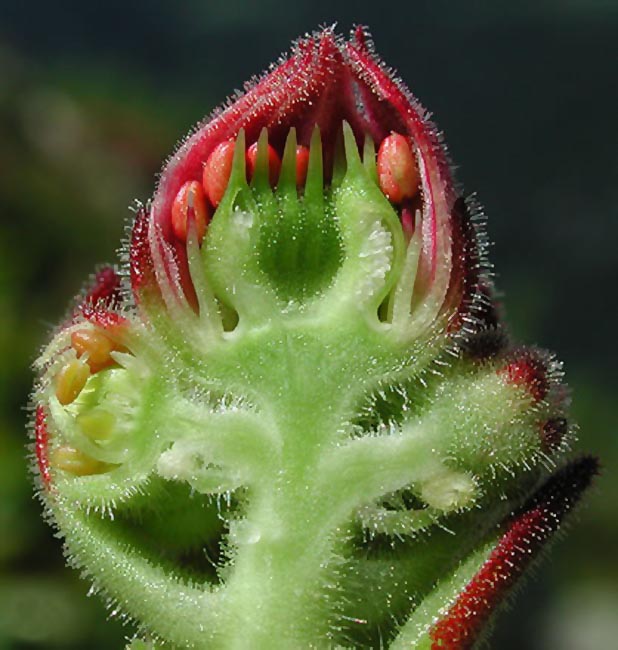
column 75, row 462
column 70, row 381
column 274, row 163
column 190, row 202
column 96, row 346
column 302, row 164
column 217, row 171
column 397, row 170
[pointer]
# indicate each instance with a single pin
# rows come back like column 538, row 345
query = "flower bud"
column 305, row 377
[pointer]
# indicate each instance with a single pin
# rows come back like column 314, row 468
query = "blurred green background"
column 93, row 96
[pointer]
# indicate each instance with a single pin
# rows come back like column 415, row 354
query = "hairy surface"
column 294, row 418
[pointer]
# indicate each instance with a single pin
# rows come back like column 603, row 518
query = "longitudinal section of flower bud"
column 300, row 421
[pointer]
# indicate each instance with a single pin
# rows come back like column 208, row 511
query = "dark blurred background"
column 93, row 96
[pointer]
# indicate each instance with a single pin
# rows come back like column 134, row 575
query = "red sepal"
column 41, row 446
column 526, row 534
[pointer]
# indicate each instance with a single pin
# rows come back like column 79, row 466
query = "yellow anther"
column 70, row 381
column 96, row 345
column 73, row 461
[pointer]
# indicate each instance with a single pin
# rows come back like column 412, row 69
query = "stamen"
column 73, row 461
column 262, row 161
column 238, row 174
column 302, row 164
column 190, row 203
column 398, row 175
column 96, row 346
column 217, row 171
column 71, row 380
column 314, row 183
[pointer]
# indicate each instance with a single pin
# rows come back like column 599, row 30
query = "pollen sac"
column 217, row 170
column 96, row 346
column 397, row 171
column 302, row 165
column 71, row 460
column 70, row 381
column 272, row 161
column 190, row 206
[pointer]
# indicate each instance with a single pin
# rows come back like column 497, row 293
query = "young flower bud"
column 529, row 373
column 504, row 563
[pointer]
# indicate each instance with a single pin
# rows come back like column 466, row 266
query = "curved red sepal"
column 526, row 534
column 41, row 446
column 141, row 265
